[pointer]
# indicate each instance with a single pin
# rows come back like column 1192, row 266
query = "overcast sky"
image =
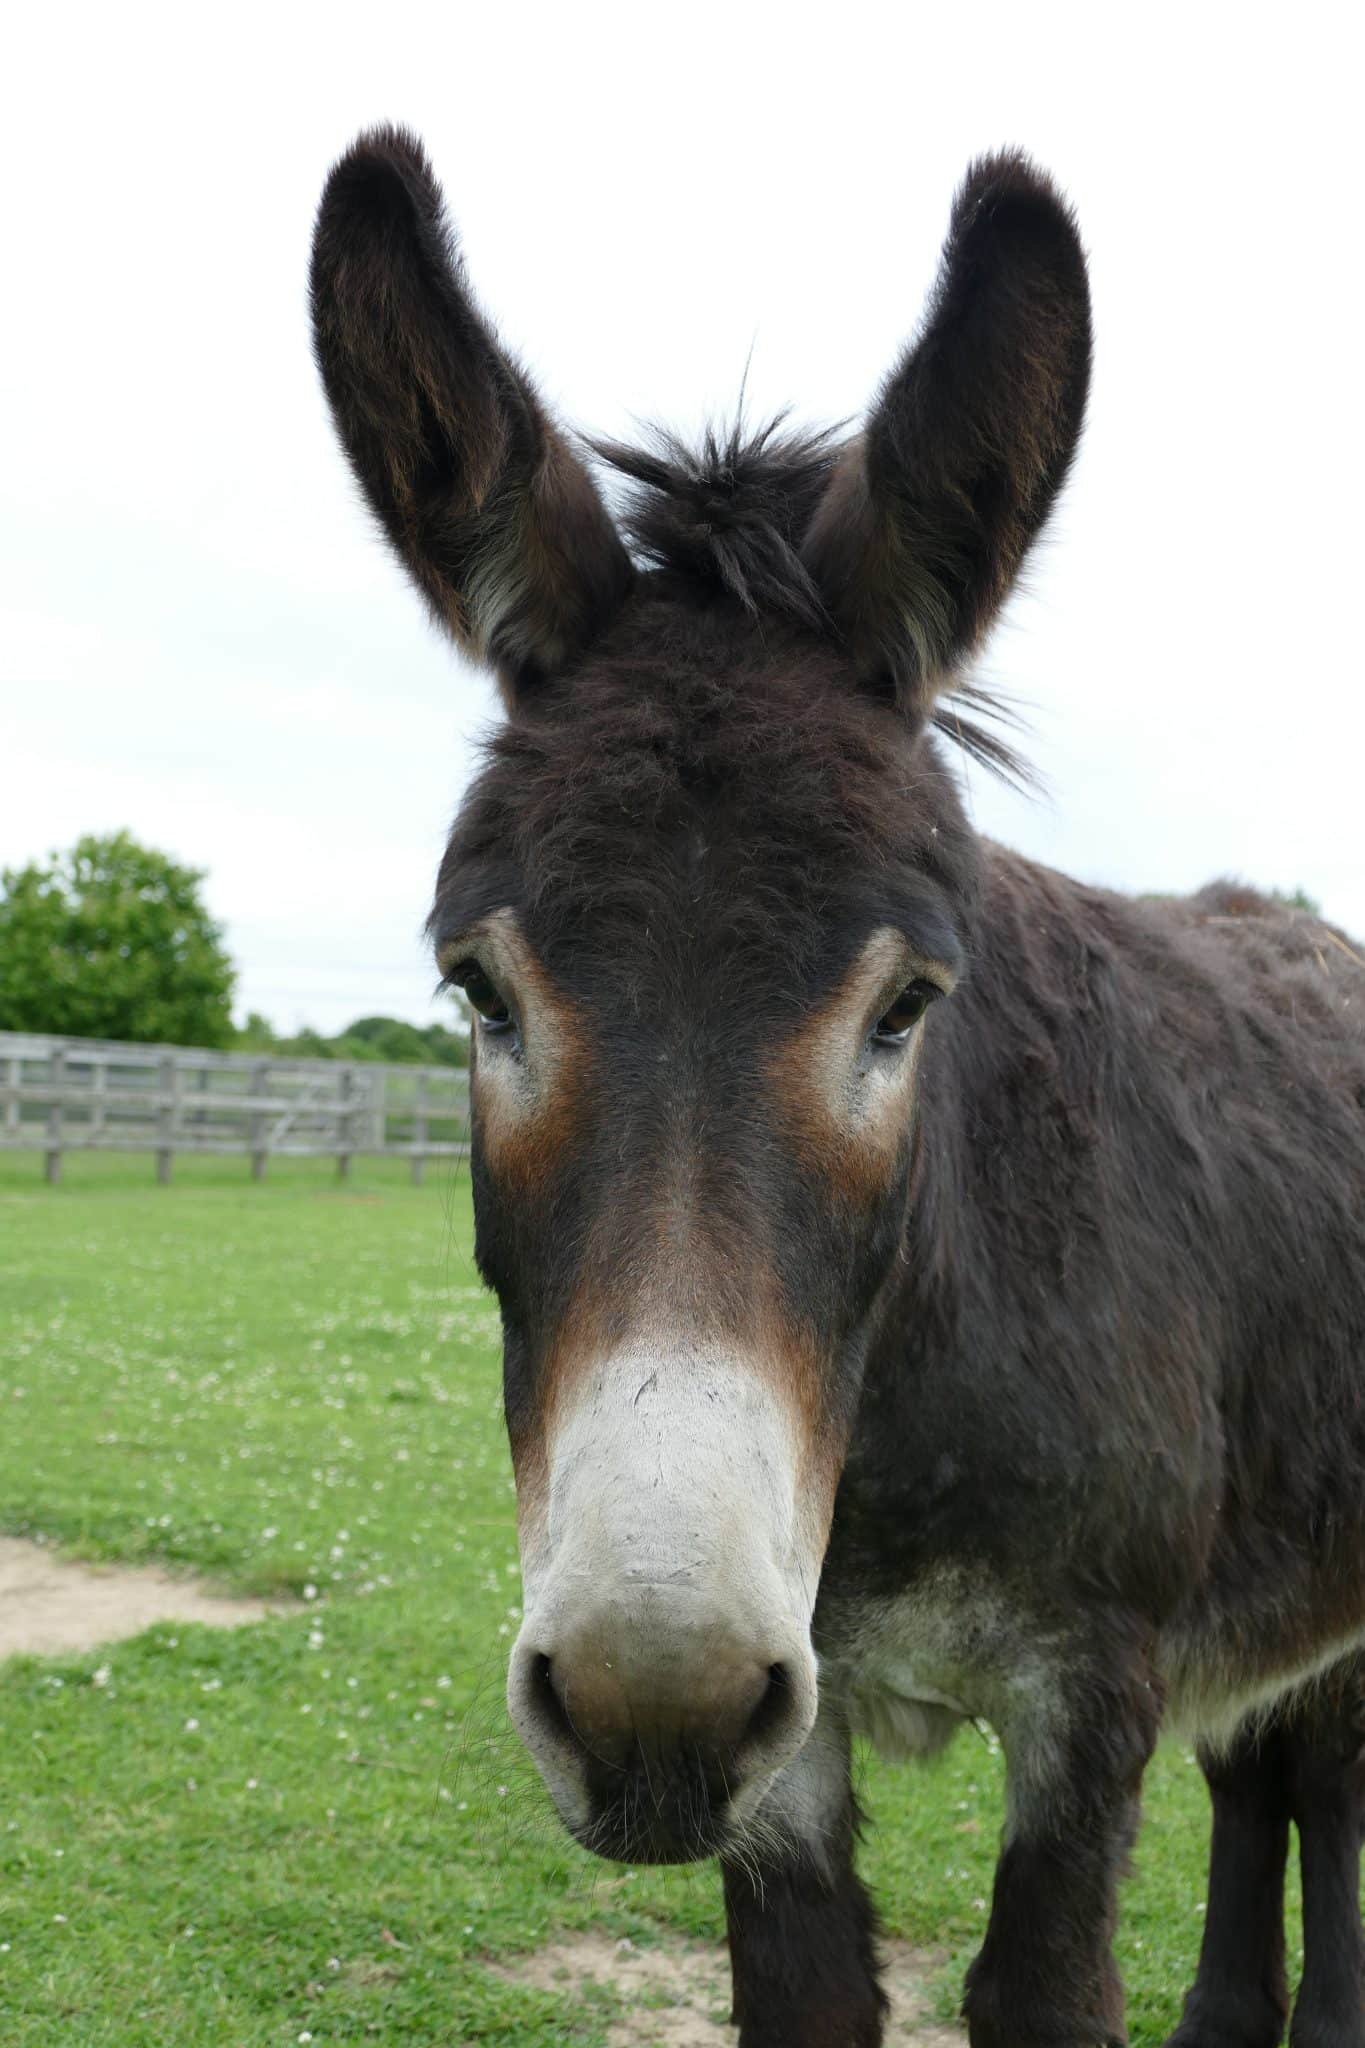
column 202, row 640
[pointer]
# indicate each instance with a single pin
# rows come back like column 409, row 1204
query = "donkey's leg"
column 1238, row 1999
column 1075, row 1752
column 801, row 1926
column 1325, row 1736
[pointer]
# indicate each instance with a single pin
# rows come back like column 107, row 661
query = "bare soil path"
column 50, row 1606
column 678, row 1992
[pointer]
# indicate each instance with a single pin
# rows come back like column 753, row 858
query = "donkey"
column 932, row 1288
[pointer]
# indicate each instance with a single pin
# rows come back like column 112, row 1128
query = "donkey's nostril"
column 545, row 1695
column 771, row 1718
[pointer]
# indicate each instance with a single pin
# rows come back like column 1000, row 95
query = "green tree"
column 256, row 1035
column 386, row 1039
column 113, row 940
column 423, row 1044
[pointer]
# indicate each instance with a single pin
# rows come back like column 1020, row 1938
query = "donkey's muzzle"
column 664, row 1671
column 662, row 1735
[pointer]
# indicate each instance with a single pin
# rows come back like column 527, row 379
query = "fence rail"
column 59, row 1095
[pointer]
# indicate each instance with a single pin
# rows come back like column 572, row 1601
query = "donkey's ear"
column 931, row 510
column 495, row 518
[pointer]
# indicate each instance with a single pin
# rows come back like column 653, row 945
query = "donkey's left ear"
column 931, row 510
column 493, row 516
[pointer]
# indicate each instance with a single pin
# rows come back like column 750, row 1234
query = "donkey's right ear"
column 496, row 520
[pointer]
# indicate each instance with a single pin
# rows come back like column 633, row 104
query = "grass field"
column 317, row 1828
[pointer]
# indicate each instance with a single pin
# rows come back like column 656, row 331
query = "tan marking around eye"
column 528, row 1099
column 845, row 1113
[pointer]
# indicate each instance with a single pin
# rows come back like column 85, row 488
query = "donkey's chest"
column 955, row 1646
column 960, row 1645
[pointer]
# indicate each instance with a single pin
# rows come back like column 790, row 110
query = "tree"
column 113, row 940
column 369, row 1038
column 425, row 1044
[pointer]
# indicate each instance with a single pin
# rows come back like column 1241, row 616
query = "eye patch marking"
column 843, row 1086
column 532, row 1059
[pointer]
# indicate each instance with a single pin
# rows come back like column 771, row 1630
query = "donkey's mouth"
column 639, row 1814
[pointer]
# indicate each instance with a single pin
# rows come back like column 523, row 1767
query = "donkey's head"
column 703, row 896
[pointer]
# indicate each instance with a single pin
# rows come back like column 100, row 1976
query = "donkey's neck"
column 1013, row 1072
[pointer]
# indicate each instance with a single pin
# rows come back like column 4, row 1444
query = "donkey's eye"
column 895, row 1026
column 492, row 1008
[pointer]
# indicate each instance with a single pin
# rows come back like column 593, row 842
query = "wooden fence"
column 70, row 1094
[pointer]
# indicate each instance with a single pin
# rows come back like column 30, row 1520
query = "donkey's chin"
column 684, row 1826
column 636, row 1816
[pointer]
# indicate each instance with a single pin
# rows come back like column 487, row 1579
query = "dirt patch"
column 49, row 1606
column 678, row 1992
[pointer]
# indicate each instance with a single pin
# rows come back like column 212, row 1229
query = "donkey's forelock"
column 731, row 512
column 728, row 516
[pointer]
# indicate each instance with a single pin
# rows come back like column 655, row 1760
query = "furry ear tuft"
column 496, row 520
column 931, row 510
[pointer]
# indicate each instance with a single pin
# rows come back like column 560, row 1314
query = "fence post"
column 344, row 1134
column 52, row 1163
column 169, row 1079
column 15, row 1071
column 377, row 1084
column 99, row 1081
column 419, row 1128
column 259, row 1083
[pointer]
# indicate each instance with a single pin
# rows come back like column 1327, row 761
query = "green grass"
column 320, row 1826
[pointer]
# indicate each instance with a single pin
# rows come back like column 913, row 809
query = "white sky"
column 202, row 640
